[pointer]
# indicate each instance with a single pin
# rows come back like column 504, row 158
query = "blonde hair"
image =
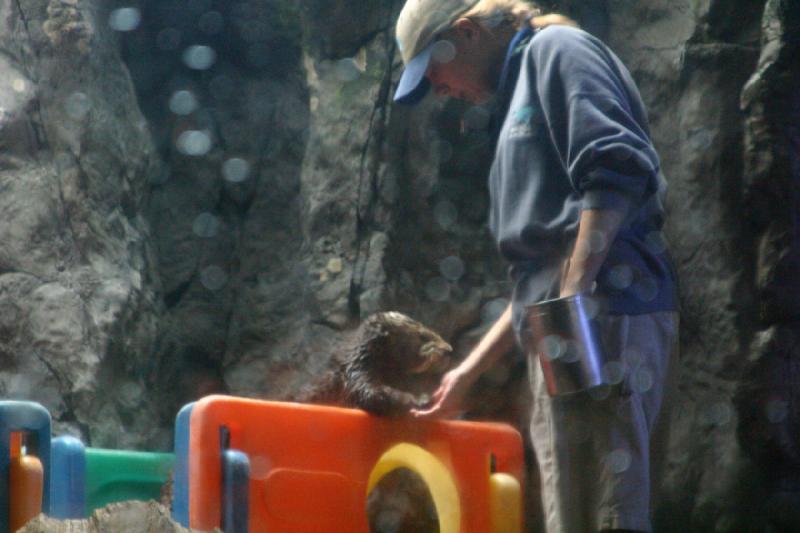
column 514, row 13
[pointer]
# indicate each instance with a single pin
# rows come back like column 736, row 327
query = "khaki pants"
column 593, row 447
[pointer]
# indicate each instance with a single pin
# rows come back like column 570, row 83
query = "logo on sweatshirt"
column 522, row 122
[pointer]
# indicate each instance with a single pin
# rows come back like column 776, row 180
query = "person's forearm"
column 494, row 344
column 598, row 229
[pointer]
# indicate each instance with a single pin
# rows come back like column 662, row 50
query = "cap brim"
column 413, row 84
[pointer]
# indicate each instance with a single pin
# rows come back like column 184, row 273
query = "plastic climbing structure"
column 251, row 466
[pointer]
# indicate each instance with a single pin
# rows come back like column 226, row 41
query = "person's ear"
column 466, row 28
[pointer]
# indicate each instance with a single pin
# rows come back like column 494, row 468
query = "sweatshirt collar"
column 508, row 76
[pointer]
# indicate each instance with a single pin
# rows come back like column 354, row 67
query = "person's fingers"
column 437, row 394
column 441, row 409
column 423, row 413
column 432, row 411
column 441, row 402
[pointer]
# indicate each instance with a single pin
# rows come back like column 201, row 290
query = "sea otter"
column 392, row 364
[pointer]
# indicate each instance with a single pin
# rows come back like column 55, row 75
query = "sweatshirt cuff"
column 605, row 199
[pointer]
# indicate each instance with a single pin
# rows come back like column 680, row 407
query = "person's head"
column 457, row 46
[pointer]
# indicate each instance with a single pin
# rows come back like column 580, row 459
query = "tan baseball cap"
column 419, row 23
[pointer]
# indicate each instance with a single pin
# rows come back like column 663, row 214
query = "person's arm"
column 595, row 120
column 448, row 399
column 597, row 230
column 599, row 130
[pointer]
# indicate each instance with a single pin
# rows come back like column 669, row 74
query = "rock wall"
column 79, row 283
column 127, row 517
column 220, row 217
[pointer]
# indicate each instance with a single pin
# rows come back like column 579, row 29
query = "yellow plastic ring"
column 435, row 475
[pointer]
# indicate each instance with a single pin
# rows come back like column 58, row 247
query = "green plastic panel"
column 116, row 475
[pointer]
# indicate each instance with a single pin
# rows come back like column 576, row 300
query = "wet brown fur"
column 376, row 372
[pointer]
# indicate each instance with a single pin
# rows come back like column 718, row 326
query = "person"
column 576, row 208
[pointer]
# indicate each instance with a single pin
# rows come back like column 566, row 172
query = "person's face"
column 459, row 66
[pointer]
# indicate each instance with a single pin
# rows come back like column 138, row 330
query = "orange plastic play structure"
column 311, row 467
column 26, row 481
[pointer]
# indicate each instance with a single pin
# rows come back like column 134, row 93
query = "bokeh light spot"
column 19, row 85
column 125, row 19
column 591, row 306
column 597, row 241
column 78, row 105
column 194, row 142
column 700, row 139
column 620, row 276
column 206, row 225
column 452, row 268
column 492, row 310
column 618, row 461
column 199, row 57
column 235, row 169
column 613, row 372
column 655, row 242
column 571, row 352
column 718, row 413
column 182, row 102
column 552, row 347
column 213, row 278
column 642, row 380
column 634, row 357
column 347, row 70
column 443, row 51
column 445, row 214
column 646, row 289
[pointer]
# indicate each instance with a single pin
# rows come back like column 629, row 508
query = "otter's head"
column 408, row 346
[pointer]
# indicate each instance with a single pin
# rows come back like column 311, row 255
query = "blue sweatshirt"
column 575, row 136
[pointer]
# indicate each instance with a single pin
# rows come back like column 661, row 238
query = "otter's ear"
column 383, row 324
column 382, row 331
column 374, row 329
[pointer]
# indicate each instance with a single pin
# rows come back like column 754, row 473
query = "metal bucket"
column 563, row 334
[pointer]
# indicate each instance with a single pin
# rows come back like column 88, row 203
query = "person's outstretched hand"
column 447, row 401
